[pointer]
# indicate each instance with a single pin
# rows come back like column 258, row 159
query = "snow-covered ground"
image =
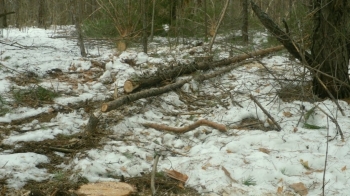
column 217, row 163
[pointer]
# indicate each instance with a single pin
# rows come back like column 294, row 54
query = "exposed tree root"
column 188, row 128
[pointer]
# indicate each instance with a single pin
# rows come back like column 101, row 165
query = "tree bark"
column 144, row 25
column 281, row 36
column 106, row 107
column 245, row 37
column 152, row 22
column 76, row 14
column 218, row 25
column 166, row 75
column 329, row 49
column 42, row 13
column 2, row 11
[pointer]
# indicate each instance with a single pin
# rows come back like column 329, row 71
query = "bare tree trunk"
column 75, row 9
column 245, row 4
column 329, row 48
column 42, row 13
column 3, row 22
column 218, row 25
column 152, row 23
column 329, row 58
column 205, row 20
column 144, row 25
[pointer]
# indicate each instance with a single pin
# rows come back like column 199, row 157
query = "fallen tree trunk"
column 162, row 75
column 112, row 105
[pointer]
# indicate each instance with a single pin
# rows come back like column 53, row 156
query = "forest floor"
column 48, row 93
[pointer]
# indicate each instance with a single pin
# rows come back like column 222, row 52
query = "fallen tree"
column 167, row 75
column 112, row 105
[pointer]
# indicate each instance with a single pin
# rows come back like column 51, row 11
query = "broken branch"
column 188, row 128
column 265, row 112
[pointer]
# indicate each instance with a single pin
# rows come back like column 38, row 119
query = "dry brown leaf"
column 50, row 110
column 299, row 188
column 229, row 151
column 124, row 169
column 149, row 158
column 204, row 167
column 227, row 173
column 279, row 189
column 106, row 189
column 287, row 114
column 343, row 168
column 187, row 148
column 264, row 150
column 176, row 175
column 295, row 129
column 281, row 180
column 270, row 122
column 305, row 164
column 181, row 185
column 245, row 161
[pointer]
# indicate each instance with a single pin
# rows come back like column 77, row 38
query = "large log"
column 163, row 76
column 112, row 105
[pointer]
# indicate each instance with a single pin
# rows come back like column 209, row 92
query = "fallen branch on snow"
column 188, row 128
column 106, row 107
column 266, row 113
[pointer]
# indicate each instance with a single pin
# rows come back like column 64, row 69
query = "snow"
column 204, row 153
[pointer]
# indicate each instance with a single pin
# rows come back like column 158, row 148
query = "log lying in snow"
column 162, row 75
column 106, row 107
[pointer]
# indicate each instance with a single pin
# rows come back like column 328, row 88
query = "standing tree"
column 329, row 47
column 42, row 13
column 329, row 58
column 144, row 25
column 245, row 21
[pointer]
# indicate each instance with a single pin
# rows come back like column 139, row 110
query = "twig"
column 330, row 95
column 325, row 161
column 10, row 68
column 265, row 112
column 335, row 122
column 218, row 25
column 65, row 150
column 154, row 171
column 188, row 128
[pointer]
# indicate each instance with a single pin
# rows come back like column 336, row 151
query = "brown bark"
column 329, row 48
column 281, row 36
column 106, row 107
column 157, row 91
column 188, row 128
column 42, row 13
column 76, row 14
column 5, row 14
column 245, row 37
column 223, row 12
column 329, row 58
column 92, row 124
column 144, row 25
column 169, row 75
